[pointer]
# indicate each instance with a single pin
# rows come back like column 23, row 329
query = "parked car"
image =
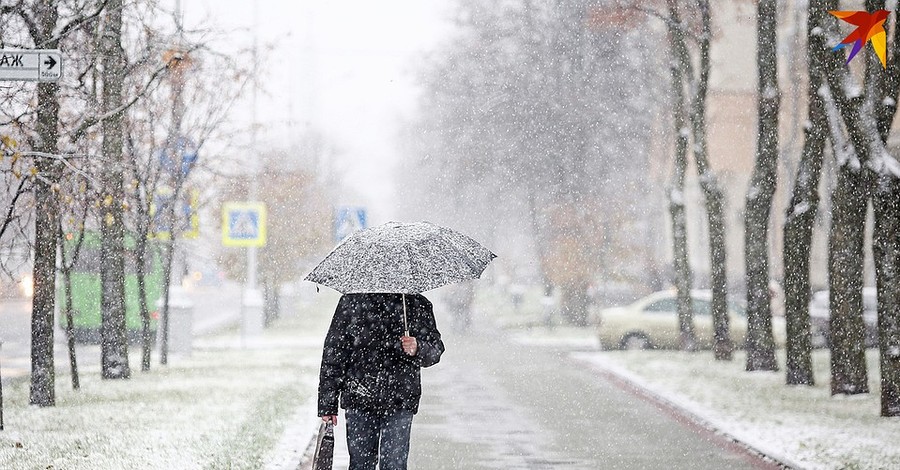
column 820, row 318
column 652, row 322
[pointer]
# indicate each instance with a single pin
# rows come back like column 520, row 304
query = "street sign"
column 244, row 224
column 184, row 150
column 34, row 65
column 348, row 220
column 187, row 217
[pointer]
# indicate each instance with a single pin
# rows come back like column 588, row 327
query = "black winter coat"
column 363, row 363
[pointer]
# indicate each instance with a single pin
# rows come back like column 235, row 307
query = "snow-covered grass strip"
column 223, row 407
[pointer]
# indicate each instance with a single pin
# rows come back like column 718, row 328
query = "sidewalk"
column 495, row 403
column 803, row 427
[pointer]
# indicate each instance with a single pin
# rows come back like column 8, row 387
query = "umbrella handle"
column 405, row 326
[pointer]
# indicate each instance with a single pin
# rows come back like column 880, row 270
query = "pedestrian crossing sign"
column 244, row 224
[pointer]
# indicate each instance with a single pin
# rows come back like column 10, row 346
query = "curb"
column 292, row 448
column 635, row 385
column 306, row 458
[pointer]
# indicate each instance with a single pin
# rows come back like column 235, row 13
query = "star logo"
column 869, row 27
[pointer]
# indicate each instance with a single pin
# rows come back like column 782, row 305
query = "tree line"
column 103, row 151
column 538, row 124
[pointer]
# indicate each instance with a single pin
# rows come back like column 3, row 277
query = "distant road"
column 15, row 335
column 215, row 307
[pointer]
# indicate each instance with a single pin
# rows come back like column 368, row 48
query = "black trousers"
column 378, row 437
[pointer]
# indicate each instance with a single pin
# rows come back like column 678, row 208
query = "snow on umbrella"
column 403, row 258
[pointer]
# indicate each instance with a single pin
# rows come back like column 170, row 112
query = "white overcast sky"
column 345, row 67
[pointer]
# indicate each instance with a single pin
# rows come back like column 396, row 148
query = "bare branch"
column 12, row 206
column 670, row 23
column 91, row 121
column 76, row 22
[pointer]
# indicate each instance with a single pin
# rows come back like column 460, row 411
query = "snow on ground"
column 225, row 406
column 801, row 425
column 237, row 404
column 805, row 425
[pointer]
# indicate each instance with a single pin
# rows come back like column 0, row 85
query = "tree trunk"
column 140, row 263
column 860, row 115
column 575, row 302
column 723, row 347
column 113, row 342
column 886, row 242
column 70, row 327
column 682, row 267
column 760, row 343
column 845, row 269
column 886, row 247
column 46, row 224
column 801, row 215
column 168, row 258
column 798, row 228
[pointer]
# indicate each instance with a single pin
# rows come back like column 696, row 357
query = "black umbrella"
column 403, row 258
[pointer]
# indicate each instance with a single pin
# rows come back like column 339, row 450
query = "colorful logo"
column 869, row 27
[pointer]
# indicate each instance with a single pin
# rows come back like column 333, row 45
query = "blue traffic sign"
column 183, row 149
column 244, row 224
column 187, row 219
column 348, row 220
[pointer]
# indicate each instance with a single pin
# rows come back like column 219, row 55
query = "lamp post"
column 252, row 320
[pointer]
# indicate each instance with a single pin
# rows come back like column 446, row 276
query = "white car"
column 652, row 322
column 820, row 318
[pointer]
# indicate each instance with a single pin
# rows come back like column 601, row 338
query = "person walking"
column 371, row 368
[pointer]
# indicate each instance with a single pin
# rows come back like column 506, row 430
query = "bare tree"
column 849, row 202
column 683, row 275
column 886, row 248
column 145, row 178
column 44, row 24
column 42, row 29
column 70, row 242
column 17, row 185
column 712, row 192
column 760, row 342
column 886, row 235
column 698, row 85
column 801, row 212
column 114, row 341
column 865, row 168
column 520, row 105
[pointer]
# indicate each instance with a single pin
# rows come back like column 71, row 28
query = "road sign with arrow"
column 32, row 65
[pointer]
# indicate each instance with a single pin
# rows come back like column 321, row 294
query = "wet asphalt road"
column 495, row 404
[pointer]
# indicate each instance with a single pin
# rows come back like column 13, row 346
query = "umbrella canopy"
column 403, row 258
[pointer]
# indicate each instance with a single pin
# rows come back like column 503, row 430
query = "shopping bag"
column 324, row 455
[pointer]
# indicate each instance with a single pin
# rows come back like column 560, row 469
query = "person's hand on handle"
column 410, row 346
column 330, row 419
